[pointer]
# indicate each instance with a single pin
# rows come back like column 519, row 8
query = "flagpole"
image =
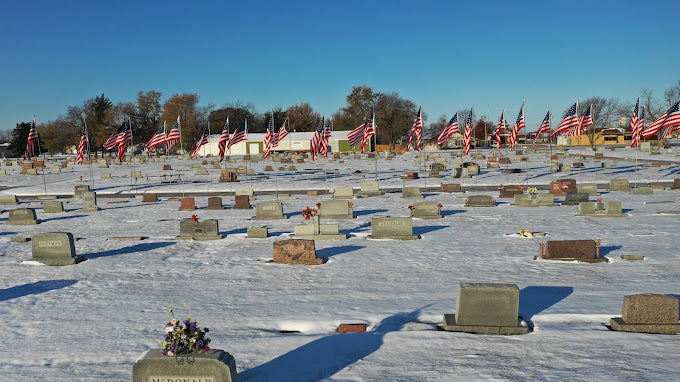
column 88, row 152
column 180, row 134
column 132, row 157
column 35, row 126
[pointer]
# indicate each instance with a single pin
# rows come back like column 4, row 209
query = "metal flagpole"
column 35, row 126
column 132, row 157
column 375, row 142
column 181, row 149
column 88, row 152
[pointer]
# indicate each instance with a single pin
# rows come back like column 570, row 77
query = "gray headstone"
column 575, row 198
column 8, row 199
column 411, row 192
column 392, row 228
column 588, row 188
column 427, row 210
column 258, row 233
column 55, row 248
column 89, row 201
column 211, row 366
column 207, row 229
column 370, row 187
column 587, row 208
column 619, row 185
column 480, row 201
column 53, row 207
column 641, row 191
column 336, row 209
column 22, row 216
column 343, row 193
column 105, row 175
column 269, row 211
column 487, row 304
column 79, row 189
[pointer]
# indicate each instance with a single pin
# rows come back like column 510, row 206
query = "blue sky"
column 443, row 55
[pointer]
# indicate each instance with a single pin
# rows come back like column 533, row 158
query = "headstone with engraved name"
column 588, row 188
column 22, row 216
column 269, row 211
column 648, row 313
column 207, row 229
column 54, row 248
column 297, row 252
column 619, row 185
column 641, row 191
column 396, row 228
column 336, row 209
column 426, row 210
column 535, row 200
column 89, row 202
column 318, row 231
column 213, row 365
column 187, row 204
column 480, row 201
column 451, row 187
column 344, row 192
column 370, row 188
column 53, row 207
column 486, row 308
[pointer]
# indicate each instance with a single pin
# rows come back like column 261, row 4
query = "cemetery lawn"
column 91, row 321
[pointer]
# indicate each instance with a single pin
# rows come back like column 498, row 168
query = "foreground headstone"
column 487, row 309
column 586, row 251
column 336, row 209
column 22, row 216
column 392, row 228
column 212, row 366
column 426, row 210
column 55, row 248
column 207, row 229
column 648, row 313
column 296, row 251
column 269, row 211
column 53, row 207
column 480, row 201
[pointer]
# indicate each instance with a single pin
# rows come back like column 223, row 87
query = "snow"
column 91, row 321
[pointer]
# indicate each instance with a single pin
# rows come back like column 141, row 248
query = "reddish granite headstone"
column 650, row 309
column 296, row 251
column 409, row 175
column 167, row 167
column 504, row 160
column 351, row 328
column 242, row 202
column 451, row 187
column 676, row 184
column 148, row 198
column 510, row 191
column 215, row 203
column 228, row 177
column 583, row 250
column 187, row 204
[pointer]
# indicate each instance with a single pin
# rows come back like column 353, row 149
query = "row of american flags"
column 572, row 124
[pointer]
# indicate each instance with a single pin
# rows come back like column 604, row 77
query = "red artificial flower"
column 206, row 348
column 194, row 218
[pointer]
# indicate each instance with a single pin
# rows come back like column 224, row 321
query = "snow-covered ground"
column 90, row 321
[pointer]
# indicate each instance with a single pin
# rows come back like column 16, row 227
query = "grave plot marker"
column 394, row 228
column 22, row 216
column 296, row 252
column 648, row 313
column 269, row 211
column 55, row 248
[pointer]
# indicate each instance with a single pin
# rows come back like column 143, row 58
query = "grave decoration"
column 585, row 251
column 317, row 231
column 296, row 252
column 648, row 313
column 185, row 356
column 486, row 309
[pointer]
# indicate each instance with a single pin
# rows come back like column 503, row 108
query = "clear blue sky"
column 444, row 55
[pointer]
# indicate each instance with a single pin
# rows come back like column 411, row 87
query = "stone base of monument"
column 632, row 257
column 641, row 191
column 214, row 365
column 617, row 324
column 449, row 324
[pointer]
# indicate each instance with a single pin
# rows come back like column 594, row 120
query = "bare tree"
column 604, row 112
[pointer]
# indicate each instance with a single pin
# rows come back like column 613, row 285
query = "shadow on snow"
column 142, row 247
column 34, row 288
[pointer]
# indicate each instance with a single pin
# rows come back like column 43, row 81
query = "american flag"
column 224, row 138
column 641, row 123
column 268, row 137
column 635, row 139
column 357, row 135
column 519, row 125
column 81, row 148
column 672, row 122
column 240, row 134
column 173, row 136
column 585, row 121
column 317, row 139
column 32, row 141
column 544, row 128
column 156, row 139
column 369, row 130
column 201, row 142
column 499, row 129
column 112, row 142
column 281, row 134
column 468, row 132
column 670, row 119
column 570, row 120
column 326, row 136
column 448, row 130
column 416, row 131
column 123, row 140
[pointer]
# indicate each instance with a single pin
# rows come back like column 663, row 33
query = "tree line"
column 394, row 116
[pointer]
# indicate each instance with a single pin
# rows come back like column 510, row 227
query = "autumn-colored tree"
column 186, row 106
column 302, row 117
column 359, row 104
